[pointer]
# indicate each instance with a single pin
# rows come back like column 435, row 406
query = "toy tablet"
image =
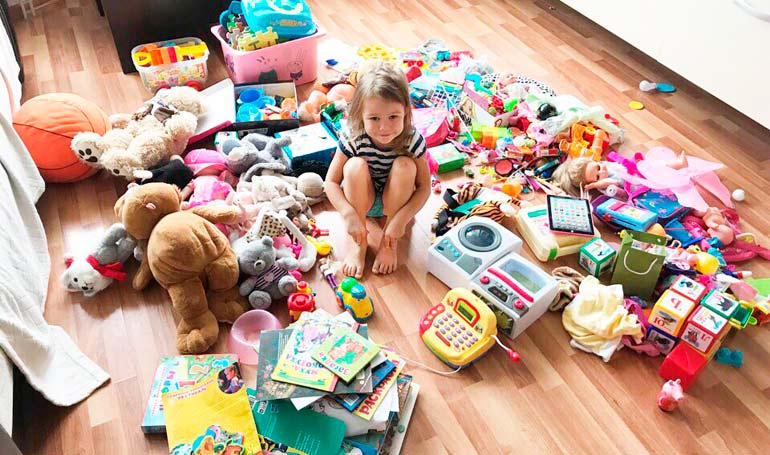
column 569, row 215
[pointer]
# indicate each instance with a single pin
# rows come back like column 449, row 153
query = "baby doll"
column 212, row 182
column 584, row 174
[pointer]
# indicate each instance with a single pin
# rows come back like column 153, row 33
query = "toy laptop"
column 291, row 19
column 623, row 214
column 534, row 227
column 313, row 142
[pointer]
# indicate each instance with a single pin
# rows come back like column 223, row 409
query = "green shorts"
column 376, row 210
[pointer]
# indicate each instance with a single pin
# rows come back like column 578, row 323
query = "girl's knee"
column 404, row 165
column 355, row 168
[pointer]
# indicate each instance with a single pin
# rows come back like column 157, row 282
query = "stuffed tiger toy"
column 446, row 217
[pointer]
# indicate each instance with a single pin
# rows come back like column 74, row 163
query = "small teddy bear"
column 94, row 273
column 269, row 278
column 159, row 129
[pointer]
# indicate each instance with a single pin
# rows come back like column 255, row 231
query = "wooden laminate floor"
column 557, row 400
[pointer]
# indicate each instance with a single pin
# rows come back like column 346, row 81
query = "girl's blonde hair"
column 383, row 80
column 570, row 176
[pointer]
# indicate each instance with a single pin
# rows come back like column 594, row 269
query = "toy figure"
column 670, row 395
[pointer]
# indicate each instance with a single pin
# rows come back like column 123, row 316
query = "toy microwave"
column 619, row 213
column 533, row 225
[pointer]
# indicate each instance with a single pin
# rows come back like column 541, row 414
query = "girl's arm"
column 420, row 195
column 332, row 185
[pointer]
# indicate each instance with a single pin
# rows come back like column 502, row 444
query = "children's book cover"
column 176, row 372
column 296, row 364
column 304, row 431
column 345, row 353
column 272, row 344
column 350, row 400
column 362, row 382
column 191, row 411
column 373, row 401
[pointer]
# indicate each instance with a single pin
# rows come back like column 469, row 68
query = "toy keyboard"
column 459, row 330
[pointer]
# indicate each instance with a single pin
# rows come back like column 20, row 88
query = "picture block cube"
column 703, row 329
column 662, row 340
column 683, row 363
column 720, row 304
column 689, row 288
column 670, row 312
column 596, row 257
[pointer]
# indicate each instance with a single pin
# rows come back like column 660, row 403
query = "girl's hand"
column 395, row 229
column 356, row 228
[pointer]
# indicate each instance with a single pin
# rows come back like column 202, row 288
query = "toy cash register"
column 460, row 329
column 534, row 227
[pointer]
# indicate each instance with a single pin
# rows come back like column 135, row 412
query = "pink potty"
column 244, row 335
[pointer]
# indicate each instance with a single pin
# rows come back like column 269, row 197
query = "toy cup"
column 244, row 335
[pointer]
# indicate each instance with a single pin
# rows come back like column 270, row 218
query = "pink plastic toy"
column 670, row 395
column 244, row 335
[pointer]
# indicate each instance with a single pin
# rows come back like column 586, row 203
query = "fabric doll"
column 212, row 182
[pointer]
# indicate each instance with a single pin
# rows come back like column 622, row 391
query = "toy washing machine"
column 517, row 291
column 469, row 247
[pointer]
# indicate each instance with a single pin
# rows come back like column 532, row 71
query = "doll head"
column 576, row 173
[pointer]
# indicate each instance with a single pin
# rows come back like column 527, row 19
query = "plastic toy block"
column 720, row 304
column 476, row 129
column 683, row 363
column 688, row 288
column 662, row 340
column 728, row 357
column 490, row 135
column 670, row 312
column 510, row 104
column 596, row 257
column 742, row 317
column 703, row 329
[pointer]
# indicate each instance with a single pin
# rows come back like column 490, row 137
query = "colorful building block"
column 683, row 363
column 720, row 304
column 670, row 312
column 688, row 288
column 490, row 135
column 703, row 329
column 663, row 341
column 596, row 257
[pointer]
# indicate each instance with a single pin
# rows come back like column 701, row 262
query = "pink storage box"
column 295, row 60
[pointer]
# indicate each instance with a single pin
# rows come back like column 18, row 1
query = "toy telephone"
column 460, row 329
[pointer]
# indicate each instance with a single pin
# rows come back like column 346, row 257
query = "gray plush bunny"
column 255, row 153
column 94, row 273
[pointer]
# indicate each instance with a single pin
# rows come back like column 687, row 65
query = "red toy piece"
column 300, row 301
column 683, row 363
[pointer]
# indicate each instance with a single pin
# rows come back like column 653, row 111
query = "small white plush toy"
column 94, row 273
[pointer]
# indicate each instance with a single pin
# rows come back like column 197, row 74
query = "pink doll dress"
column 207, row 188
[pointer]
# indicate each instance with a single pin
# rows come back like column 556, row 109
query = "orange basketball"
column 47, row 124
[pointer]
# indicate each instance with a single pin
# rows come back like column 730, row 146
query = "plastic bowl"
column 244, row 335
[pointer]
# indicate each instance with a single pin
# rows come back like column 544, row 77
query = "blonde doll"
column 380, row 166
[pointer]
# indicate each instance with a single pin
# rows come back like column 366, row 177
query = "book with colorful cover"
column 303, row 431
column 345, row 353
column 370, row 404
column 172, row 374
column 194, row 409
column 350, row 400
column 272, row 344
column 394, row 436
column 296, row 364
column 362, row 382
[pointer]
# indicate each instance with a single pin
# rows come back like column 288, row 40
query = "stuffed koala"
column 256, row 153
column 148, row 138
column 269, row 278
column 94, row 273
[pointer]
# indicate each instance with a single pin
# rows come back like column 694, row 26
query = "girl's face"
column 596, row 171
column 383, row 120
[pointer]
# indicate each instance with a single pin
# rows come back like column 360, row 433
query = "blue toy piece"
column 665, row 88
column 290, row 19
column 728, row 357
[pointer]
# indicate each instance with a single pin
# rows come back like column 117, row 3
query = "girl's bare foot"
column 386, row 260
column 353, row 264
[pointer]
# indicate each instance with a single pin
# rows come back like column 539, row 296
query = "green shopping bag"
column 639, row 263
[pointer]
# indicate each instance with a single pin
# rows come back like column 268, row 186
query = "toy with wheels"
column 351, row 296
column 47, row 123
column 290, row 19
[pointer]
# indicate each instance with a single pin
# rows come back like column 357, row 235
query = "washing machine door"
column 480, row 237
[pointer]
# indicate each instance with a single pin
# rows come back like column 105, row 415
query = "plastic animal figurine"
column 670, row 395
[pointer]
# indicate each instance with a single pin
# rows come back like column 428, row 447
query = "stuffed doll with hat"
column 213, row 180
column 95, row 272
column 182, row 249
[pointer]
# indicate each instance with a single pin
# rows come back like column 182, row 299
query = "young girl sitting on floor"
column 379, row 168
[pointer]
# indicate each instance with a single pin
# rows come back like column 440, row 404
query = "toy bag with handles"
column 432, row 123
column 640, row 260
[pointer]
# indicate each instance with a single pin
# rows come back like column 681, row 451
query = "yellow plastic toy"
column 460, row 329
column 321, row 246
column 579, row 147
column 351, row 296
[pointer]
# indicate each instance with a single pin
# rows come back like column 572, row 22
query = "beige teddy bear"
column 149, row 137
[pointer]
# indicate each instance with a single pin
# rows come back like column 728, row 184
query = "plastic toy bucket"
column 295, row 60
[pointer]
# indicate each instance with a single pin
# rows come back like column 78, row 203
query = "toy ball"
column 47, row 123
column 706, row 263
column 739, row 195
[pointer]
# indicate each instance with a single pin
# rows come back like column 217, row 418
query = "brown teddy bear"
column 182, row 249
